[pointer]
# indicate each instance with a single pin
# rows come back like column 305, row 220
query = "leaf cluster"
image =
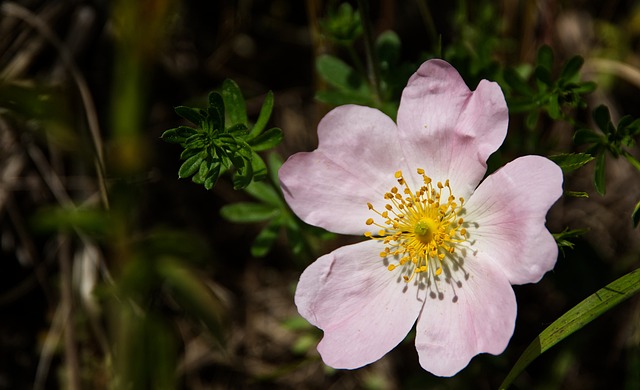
column 223, row 139
column 538, row 91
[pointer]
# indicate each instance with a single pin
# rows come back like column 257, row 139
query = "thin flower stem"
column 373, row 71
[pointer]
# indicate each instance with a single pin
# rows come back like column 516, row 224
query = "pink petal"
column 449, row 130
column 509, row 208
column 354, row 164
column 364, row 309
column 471, row 316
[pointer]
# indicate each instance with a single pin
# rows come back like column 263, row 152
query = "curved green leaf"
column 234, row 103
column 263, row 117
column 573, row 320
column 244, row 212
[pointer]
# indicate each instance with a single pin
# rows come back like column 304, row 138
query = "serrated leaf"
column 635, row 216
column 265, row 239
column 602, row 118
column 193, row 115
column 263, row 117
column 571, row 68
column 340, row 75
column 234, row 103
column 571, row 161
column 190, row 166
column 266, row 140
column 247, row 212
column 599, row 177
column 580, row 315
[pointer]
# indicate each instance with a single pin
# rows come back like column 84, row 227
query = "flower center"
column 421, row 228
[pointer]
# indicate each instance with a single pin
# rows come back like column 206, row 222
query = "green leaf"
column 563, row 239
column 599, row 178
column 573, row 320
column 635, row 216
column 246, row 212
column 191, row 165
column 258, row 167
column 178, row 135
column 388, row 49
column 265, row 239
column 340, row 75
column 571, row 68
column 265, row 192
column 586, row 87
column 263, row 117
column 274, row 161
column 586, row 136
column 543, row 75
column 266, row 140
column 516, row 82
column 602, row 118
column 234, row 103
column 571, row 161
column 545, row 57
column 632, row 160
column 193, row 115
column 554, row 107
column 531, row 120
column 216, row 111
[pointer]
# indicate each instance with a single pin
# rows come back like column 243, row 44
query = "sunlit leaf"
column 580, row 315
column 635, row 216
column 571, row 161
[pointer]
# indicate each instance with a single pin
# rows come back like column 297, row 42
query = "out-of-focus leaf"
column 265, row 239
column 243, row 212
column 258, row 167
column 580, row 315
column 571, row 68
column 339, row 74
column 531, row 120
column 571, row 161
column 545, row 57
column 234, row 103
column 632, row 160
column 599, row 178
column 266, row 140
column 554, row 107
column 59, row 219
column 635, row 216
column 586, row 136
column 516, row 82
column 602, row 118
column 265, row 192
column 263, row 117
column 193, row 295
column 388, row 49
column 543, row 75
column 339, row 98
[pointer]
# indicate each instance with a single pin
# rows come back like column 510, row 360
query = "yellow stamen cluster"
column 420, row 228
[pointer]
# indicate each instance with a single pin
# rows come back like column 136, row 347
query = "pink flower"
column 442, row 249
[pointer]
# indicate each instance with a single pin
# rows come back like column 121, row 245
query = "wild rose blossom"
column 441, row 249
